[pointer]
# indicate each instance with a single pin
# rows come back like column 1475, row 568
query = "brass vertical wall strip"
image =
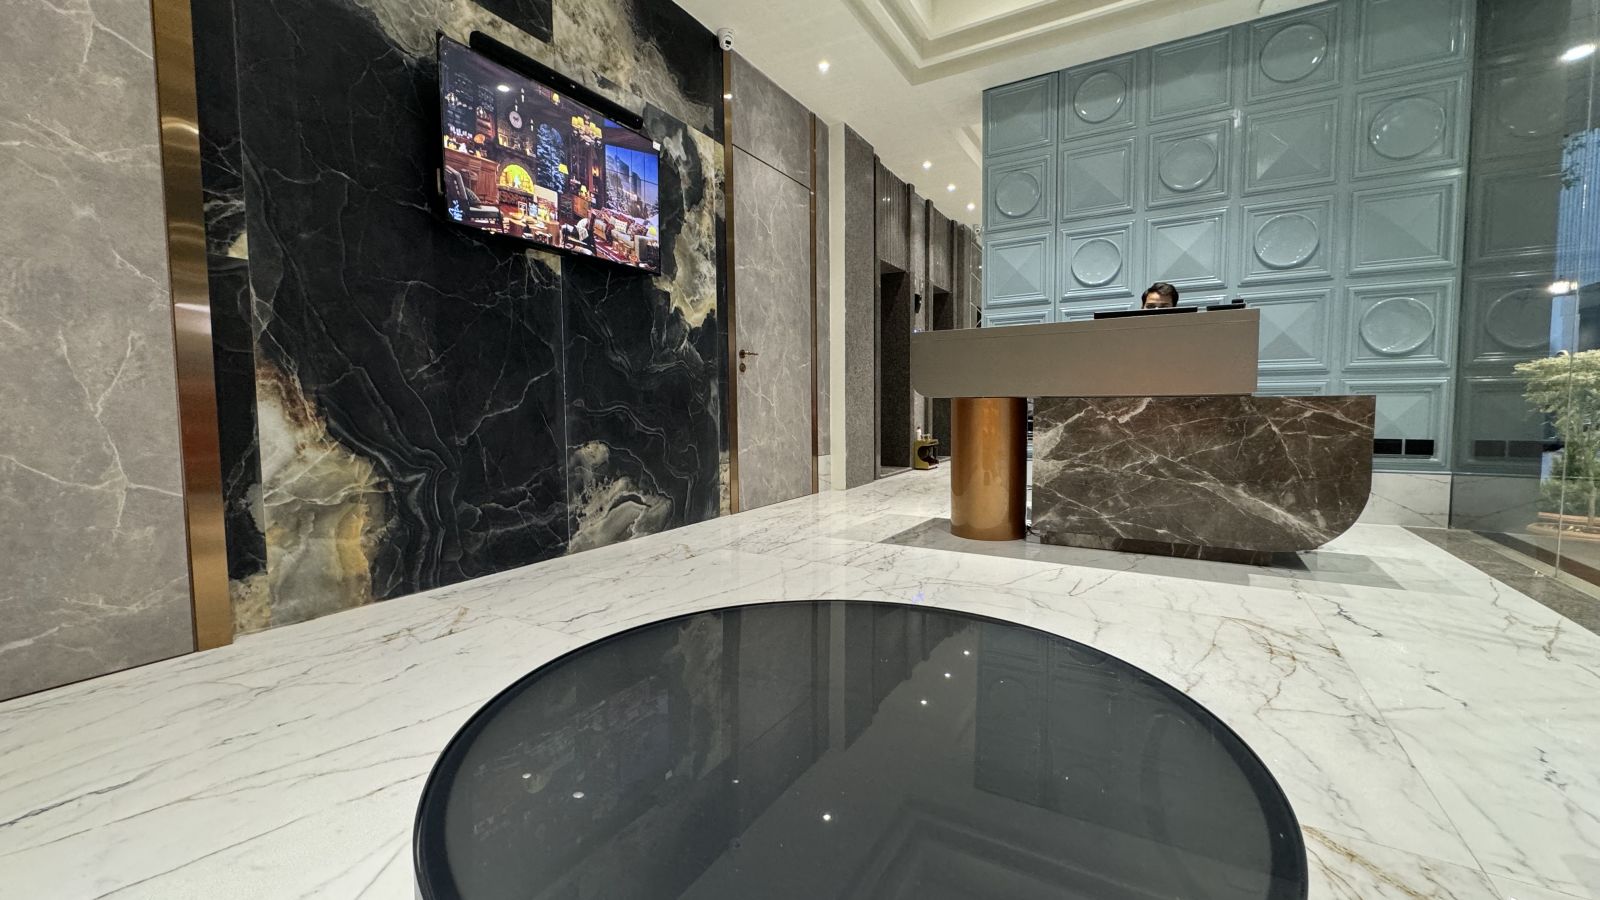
column 728, row 268
column 816, row 441
column 191, row 323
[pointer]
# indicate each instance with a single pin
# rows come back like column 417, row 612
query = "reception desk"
column 1146, row 438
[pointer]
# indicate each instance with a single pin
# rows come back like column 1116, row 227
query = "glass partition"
column 1527, row 448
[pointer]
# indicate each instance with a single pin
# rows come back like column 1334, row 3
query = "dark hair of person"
column 1165, row 291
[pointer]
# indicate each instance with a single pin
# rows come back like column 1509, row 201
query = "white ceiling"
column 909, row 75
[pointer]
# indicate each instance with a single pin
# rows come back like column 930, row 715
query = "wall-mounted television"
column 523, row 160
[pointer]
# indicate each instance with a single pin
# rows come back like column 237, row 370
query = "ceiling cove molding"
column 932, row 39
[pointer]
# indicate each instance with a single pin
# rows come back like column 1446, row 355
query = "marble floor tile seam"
column 1307, row 714
column 1489, row 721
column 220, row 745
column 266, row 654
column 117, row 829
column 1512, row 889
column 1041, row 576
column 1529, row 808
column 1382, row 717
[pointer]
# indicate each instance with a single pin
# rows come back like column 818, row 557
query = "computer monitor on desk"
column 1154, row 311
column 1167, row 310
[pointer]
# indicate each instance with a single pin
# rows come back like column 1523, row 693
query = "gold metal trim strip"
column 191, row 323
column 816, row 439
column 728, row 269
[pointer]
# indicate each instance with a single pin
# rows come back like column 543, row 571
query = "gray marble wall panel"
column 861, row 311
column 91, row 516
column 824, row 345
column 771, row 222
column 769, row 124
column 917, row 257
column 968, row 277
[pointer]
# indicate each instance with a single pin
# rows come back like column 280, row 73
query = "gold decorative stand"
column 989, row 468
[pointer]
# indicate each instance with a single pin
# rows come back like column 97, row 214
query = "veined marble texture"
column 823, row 301
column 429, row 404
column 91, row 519
column 1414, row 499
column 769, row 124
column 1433, row 728
column 1227, row 475
column 772, row 274
column 409, row 386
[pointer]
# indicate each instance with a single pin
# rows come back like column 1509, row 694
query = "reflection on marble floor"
column 1435, row 729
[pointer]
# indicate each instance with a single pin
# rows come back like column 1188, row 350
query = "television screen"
column 524, row 161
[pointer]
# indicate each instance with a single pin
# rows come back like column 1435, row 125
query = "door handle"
column 745, row 353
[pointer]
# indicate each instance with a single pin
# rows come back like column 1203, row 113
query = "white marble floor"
column 1436, row 731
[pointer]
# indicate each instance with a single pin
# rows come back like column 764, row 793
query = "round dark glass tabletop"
column 818, row 750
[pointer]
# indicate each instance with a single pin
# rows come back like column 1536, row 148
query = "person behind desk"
column 1159, row 296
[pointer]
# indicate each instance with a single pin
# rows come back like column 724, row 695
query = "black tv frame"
column 504, row 55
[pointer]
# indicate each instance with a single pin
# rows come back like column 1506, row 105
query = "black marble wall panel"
column 895, row 419
column 234, row 362
column 233, row 333
column 217, row 103
column 433, row 404
column 533, row 16
column 644, row 408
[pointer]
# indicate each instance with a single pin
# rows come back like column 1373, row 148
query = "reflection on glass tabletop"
column 853, row 750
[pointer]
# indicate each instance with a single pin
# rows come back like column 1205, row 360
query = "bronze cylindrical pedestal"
column 989, row 468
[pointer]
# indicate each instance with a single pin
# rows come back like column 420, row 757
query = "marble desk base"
column 1232, row 478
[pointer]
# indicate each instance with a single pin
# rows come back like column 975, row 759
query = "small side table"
column 925, row 453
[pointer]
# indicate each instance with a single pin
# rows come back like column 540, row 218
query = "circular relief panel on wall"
column 1286, row 241
column 1396, row 326
column 1096, row 263
column 1188, row 165
column 1017, row 194
column 1519, row 320
column 1529, row 106
column 1407, row 128
column 1294, row 53
column 1100, row 97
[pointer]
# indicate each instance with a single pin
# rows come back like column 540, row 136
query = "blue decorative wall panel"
column 1098, row 181
column 1313, row 163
